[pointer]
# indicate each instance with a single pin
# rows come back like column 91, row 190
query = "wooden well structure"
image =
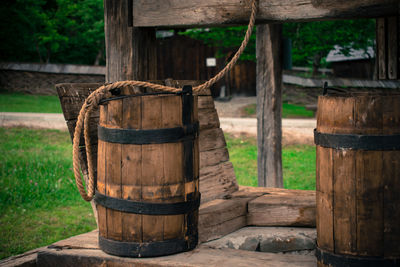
column 131, row 52
column 132, row 55
column 131, row 48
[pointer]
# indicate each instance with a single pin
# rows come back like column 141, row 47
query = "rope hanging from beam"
column 104, row 92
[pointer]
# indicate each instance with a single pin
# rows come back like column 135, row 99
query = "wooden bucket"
column 358, row 179
column 148, row 174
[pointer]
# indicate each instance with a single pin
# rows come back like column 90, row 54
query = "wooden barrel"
column 358, row 179
column 148, row 174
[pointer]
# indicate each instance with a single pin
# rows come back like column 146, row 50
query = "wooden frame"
column 131, row 55
column 130, row 45
column 200, row 13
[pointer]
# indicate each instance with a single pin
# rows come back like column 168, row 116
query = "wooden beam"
column 131, row 53
column 269, row 104
column 285, row 209
column 387, row 47
column 221, row 217
column 381, row 48
column 392, row 48
column 197, row 13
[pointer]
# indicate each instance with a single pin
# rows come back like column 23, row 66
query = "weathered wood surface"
column 216, row 219
column 206, row 102
column 250, row 191
column 27, row 259
column 213, row 157
column 131, row 53
column 224, row 228
column 387, row 47
column 211, row 139
column 324, row 186
column 393, row 47
column 381, row 49
column 358, row 205
column 269, row 105
column 201, row 256
column 282, row 209
column 220, row 217
column 208, row 119
column 216, row 181
column 197, row 13
column 256, row 206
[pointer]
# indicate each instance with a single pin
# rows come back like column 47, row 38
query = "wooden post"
column 388, row 46
column 269, row 104
column 131, row 53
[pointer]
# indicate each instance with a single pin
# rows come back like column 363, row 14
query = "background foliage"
column 311, row 41
column 72, row 31
column 62, row 31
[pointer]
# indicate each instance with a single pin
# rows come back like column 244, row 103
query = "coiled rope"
column 103, row 92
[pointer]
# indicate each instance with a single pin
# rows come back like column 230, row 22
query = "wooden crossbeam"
column 201, row 13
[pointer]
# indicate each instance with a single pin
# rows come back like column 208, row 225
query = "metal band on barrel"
column 147, row 208
column 357, row 141
column 331, row 259
column 154, row 136
column 187, row 119
column 147, row 249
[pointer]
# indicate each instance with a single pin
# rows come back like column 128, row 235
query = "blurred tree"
column 62, row 31
column 311, row 41
column 72, row 31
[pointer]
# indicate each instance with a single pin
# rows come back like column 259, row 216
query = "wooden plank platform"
column 256, row 206
column 82, row 250
column 283, row 208
column 217, row 218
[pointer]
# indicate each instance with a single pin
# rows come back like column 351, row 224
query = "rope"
column 93, row 100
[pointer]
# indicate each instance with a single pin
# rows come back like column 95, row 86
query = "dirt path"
column 233, row 108
column 295, row 131
column 33, row 120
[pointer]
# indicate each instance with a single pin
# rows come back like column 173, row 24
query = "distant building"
column 358, row 64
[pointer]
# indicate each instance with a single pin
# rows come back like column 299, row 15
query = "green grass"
column 39, row 203
column 38, row 200
column 288, row 111
column 16, row 102
column 298, row 163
